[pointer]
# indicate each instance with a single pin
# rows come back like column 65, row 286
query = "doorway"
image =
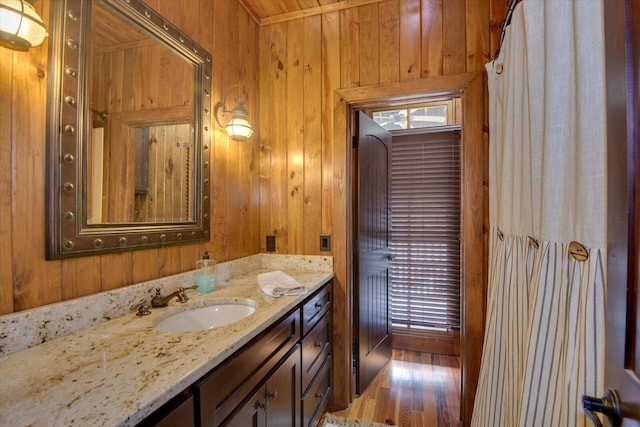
column 469, row 88
column 406, row 265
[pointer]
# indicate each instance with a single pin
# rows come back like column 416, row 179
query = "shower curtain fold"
column 544, row 335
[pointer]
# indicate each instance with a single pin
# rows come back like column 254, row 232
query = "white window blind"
column 425, row 243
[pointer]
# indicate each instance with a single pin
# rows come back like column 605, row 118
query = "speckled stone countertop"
column 119, row 371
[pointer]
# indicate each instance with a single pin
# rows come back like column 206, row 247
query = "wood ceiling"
column 266, row 12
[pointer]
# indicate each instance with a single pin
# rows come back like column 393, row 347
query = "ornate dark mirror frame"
column 68, row 127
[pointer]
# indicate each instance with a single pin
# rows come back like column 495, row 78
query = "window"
column 392, row 119
column 425, row 239
column 440, row 113
column 428, row 116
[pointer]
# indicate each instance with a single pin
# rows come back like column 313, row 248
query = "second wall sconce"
column 20, row 25
column 235, row 121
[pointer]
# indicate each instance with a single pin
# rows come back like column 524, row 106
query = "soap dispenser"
column 206, row 274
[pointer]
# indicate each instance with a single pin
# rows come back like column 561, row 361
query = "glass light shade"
column 239, row 129
column 20, row 26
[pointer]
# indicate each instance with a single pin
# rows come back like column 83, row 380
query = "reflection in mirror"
column 145, row 160
column 159, row 159
column 128, row 130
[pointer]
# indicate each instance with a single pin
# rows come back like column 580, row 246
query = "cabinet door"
column 282, row 393
column 252, row 414
column 224, row 389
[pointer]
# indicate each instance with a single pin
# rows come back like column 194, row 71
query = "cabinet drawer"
column 315, row 308
column 316, row 346
column 314, row 402
column 221, row 391
column 179, row 412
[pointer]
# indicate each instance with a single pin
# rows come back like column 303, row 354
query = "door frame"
column 474, row 141
column 622, row 188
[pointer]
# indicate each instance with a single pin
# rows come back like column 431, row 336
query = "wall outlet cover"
column 271, row 243
column 325, row 242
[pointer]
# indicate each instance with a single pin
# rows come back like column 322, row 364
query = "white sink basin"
column 211, row 316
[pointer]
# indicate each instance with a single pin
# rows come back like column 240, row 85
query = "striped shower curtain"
column 544, row 339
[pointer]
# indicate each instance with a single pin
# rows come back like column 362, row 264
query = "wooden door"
column 621, row 402
column 372, row 257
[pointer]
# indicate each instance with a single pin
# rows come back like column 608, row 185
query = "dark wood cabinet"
column 282, row 377
column 316, row 306
column 178, row 412
column 316, row 346
column 316, row 397
column 251, row 414
column 219, row 393
column 316, row 356
column 282, row 393
column 277, row 402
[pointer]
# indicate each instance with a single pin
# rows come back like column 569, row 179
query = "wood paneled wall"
column 303, row 62
column 26, row 279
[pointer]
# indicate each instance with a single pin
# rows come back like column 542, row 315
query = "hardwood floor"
column 413, row 390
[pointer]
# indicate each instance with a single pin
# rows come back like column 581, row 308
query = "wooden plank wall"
column 302, row 63
column 170, row 164
column 26, row 279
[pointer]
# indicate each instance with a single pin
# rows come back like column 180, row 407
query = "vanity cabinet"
column 277, row 402
column 221, row 392
column 282, row 377
column 316, row 356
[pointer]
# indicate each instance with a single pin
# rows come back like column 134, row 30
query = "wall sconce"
column 20, row 26
column 235, row 121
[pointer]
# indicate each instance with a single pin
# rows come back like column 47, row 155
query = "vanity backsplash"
column 27, row 328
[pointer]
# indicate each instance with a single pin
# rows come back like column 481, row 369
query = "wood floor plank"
column 413, row 390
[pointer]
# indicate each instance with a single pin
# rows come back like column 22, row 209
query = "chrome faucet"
column 159, row 301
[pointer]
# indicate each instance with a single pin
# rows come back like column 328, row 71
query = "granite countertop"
column 120, row 371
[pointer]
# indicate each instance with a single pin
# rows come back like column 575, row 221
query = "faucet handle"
column 142, row 308
column 182, row 297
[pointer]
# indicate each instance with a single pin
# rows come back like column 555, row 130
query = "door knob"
column 609, row 406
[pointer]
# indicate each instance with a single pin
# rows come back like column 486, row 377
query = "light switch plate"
column 325, row 242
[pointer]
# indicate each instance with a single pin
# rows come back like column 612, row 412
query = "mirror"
column 128, row 130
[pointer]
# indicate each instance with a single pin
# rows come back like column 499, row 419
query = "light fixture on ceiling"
column 235, row 121
column 20, row 25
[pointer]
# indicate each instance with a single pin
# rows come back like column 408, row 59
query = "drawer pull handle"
column 318, row 344
column 318, row 306
column 272, row 394
column 319, row 395
column 262, row 405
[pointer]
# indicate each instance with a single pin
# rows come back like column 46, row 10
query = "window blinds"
column 425, row 243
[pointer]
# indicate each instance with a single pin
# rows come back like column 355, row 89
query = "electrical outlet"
column 271, row 243
column 325, row 242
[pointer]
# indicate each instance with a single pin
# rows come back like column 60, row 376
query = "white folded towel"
column 276, row 283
